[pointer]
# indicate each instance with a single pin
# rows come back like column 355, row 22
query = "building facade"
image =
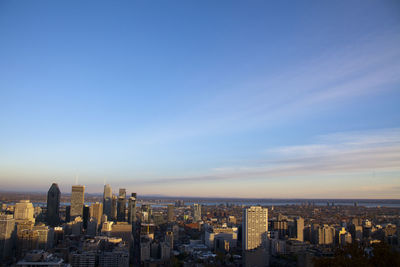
column 196, row 212
column 96, row 211
column 77, row 200
column 132, row 208
column 107, row 199
column 7, row 234
column 170, row 213
column 299, row 229
column 255, row 227
column 53, row 205
column 24, row 211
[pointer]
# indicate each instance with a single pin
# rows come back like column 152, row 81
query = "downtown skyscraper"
column 7, row 228
column 132, row 208
column 24, row 211
column 77, row 200
column 255, row 227
column 107, row 200
column 96, row 211
column 53, row 205
column 114, row 207
column 121, row 205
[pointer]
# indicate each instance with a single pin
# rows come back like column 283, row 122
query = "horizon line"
column 205, row 197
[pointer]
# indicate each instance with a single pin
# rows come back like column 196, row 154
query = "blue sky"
column 202, row 98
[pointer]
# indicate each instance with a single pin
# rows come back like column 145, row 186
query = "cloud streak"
column 335, row 154
column 369, row 66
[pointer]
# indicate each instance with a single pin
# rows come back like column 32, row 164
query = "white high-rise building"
column 255, row 227
column 24, row 211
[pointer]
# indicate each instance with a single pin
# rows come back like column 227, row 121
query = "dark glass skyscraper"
column 121, row 207
column 114, row 207
column 68, row 213
column 132, row 208
column 53, row 205
column 85, row 216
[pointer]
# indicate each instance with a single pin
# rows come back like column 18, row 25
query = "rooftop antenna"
column 104, row 181
column 76, row 179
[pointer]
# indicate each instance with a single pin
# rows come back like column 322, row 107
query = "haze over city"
column 208, row 99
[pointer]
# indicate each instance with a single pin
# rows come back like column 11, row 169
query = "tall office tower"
column 77, row 200
column 68, row 213
column 86, row 216
column 96, row 211
column 255, row 227
column 107, row 191
column 53, row 205
column 25, row 237
column 24, row 211
column 170, row 213
column 7, row 228
column 114, row 208
column 121, row 205
column 196, row 212
column 299, row 228
column 121, row 208
column 122, row 193
column 132, row 208
column 107, row 198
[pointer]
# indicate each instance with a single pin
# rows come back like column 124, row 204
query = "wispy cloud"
column 369, row 66
column 335, row 154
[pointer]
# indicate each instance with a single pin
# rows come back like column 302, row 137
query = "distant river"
column 277, row 202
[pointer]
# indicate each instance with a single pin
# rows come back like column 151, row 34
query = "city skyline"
column 263, row 100
column 256, row 234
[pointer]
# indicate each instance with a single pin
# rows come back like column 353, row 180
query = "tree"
column 356, row 255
